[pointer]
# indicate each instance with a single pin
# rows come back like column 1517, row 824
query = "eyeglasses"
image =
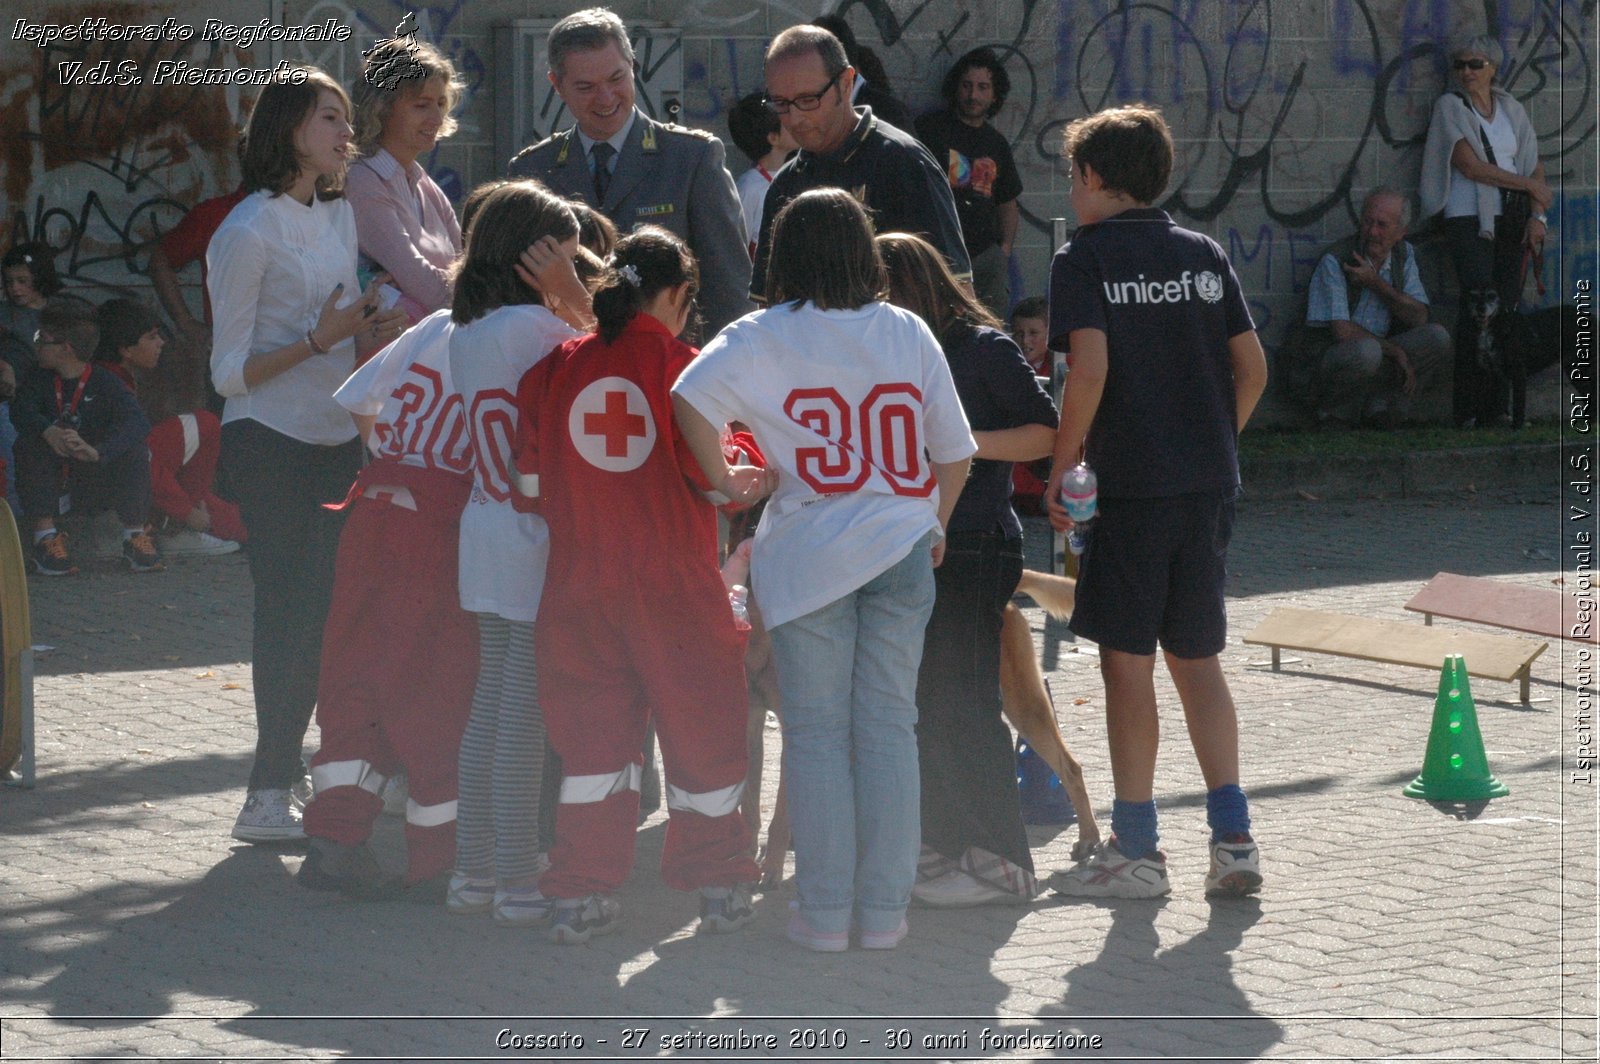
column 41, row 340
column 1470, row 64
column 809, row 102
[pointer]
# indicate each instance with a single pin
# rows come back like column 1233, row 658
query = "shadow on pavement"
column 1186, row 1003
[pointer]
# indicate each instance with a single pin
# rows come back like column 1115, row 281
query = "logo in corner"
column 1209, row 285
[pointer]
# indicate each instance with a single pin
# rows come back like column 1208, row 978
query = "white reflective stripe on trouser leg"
column 191, row 436
column 581, row 790
column 430, row 816
column 706, row 803
column 347, row 774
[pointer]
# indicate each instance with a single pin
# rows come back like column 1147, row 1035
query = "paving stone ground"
column 132, row 925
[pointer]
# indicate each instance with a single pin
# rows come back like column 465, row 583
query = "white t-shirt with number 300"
column 851, row 407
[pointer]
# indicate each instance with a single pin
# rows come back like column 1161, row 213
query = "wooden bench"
column 1494, row 602
column 1494, row 657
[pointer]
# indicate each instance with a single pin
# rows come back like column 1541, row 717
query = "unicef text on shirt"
column 1205, row 284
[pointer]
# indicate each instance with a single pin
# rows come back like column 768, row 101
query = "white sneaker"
column 302, row 792
column 958, row 890
column 268, row 816
column 396, row 792
column 1108, row 874
column 1235, row 868
column 188, row 541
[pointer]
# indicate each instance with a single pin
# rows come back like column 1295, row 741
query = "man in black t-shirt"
column 903, row 189
column 982, row 173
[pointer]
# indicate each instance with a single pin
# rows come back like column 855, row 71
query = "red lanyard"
column 62, row 414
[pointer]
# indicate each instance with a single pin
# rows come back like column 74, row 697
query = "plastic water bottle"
column 1080, row 493
column 1044, row 799
column 739, row 602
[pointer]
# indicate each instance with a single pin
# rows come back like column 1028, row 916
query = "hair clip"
column 630, row 273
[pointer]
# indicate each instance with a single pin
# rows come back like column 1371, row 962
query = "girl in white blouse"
column 287, row 315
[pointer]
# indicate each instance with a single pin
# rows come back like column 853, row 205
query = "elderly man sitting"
column 1370, row 346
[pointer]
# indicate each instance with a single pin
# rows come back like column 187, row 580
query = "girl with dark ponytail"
column 635, row 618
column 646, row 263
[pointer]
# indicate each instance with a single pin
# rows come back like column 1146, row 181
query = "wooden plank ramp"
column 1493, row 657
column 1536, row 610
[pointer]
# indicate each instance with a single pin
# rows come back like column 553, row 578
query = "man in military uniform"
column 634, row 169
column 809, row 82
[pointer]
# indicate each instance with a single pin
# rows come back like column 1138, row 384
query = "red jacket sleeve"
column 525, row 450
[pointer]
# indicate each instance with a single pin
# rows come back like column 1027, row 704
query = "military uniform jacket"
column 669, row 176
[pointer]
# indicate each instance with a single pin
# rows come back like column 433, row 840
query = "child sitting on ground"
column 80, row 443
column 184, row 447
column 1166, row 369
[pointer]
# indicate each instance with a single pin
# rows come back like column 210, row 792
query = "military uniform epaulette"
column 703, row 134
column 547, row 142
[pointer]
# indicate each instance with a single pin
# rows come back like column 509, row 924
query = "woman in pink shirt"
column 404, row 222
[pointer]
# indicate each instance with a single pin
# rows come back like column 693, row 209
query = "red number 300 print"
column 881, row 433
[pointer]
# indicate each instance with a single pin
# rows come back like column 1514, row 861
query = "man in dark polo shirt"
column 904, row 190
column 982, row 173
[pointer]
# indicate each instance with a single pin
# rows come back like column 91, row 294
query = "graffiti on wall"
column 1285, row 112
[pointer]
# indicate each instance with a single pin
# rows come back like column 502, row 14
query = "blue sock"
column 1227, row 811
column 1134, row 825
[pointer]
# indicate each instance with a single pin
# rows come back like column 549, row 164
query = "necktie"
column 601, row 154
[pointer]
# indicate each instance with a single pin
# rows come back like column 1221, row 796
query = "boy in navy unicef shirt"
column 1165, row 370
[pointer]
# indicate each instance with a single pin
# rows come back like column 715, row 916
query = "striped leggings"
column 502, row 757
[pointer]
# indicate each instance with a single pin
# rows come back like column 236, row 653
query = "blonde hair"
column 374, row 102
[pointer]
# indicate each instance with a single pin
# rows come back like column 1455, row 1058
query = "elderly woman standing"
column 404, row 221
column 1481, row 167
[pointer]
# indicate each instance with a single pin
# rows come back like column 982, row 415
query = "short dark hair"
column 804, row 40
column 40, row 259
column 822, row 251
column 1032, row 307
column 1130, row 148
column 474, row 202
column 978, row 57
column 268, row 158
column 513, row 216
column 588, row 30
column 647, row 261
column 123, row 322
column 864, row 59
column 920, row 281
column 595, row 231
column 750, row 123
column 71, row 321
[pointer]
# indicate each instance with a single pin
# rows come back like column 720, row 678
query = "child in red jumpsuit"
column 635, row 619
column 401, row 653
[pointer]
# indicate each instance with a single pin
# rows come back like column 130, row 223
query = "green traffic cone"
column 1455, row 768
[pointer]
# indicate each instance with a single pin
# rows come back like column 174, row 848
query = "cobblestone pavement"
column 131, row 925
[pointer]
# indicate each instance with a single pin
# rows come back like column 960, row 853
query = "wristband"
column 1542, row 220
column 311, row 342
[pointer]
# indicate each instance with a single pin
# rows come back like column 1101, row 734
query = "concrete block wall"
column 1285, row 111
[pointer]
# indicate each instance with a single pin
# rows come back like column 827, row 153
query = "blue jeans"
column 848, row 675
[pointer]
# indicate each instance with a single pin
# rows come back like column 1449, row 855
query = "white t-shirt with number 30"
column 503, row 552
column 851, row 407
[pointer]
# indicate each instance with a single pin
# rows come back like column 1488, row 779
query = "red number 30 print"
column 881, row 433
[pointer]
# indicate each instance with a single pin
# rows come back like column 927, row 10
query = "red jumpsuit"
column 399, row 654
column 183, row 466
column 635, row 619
